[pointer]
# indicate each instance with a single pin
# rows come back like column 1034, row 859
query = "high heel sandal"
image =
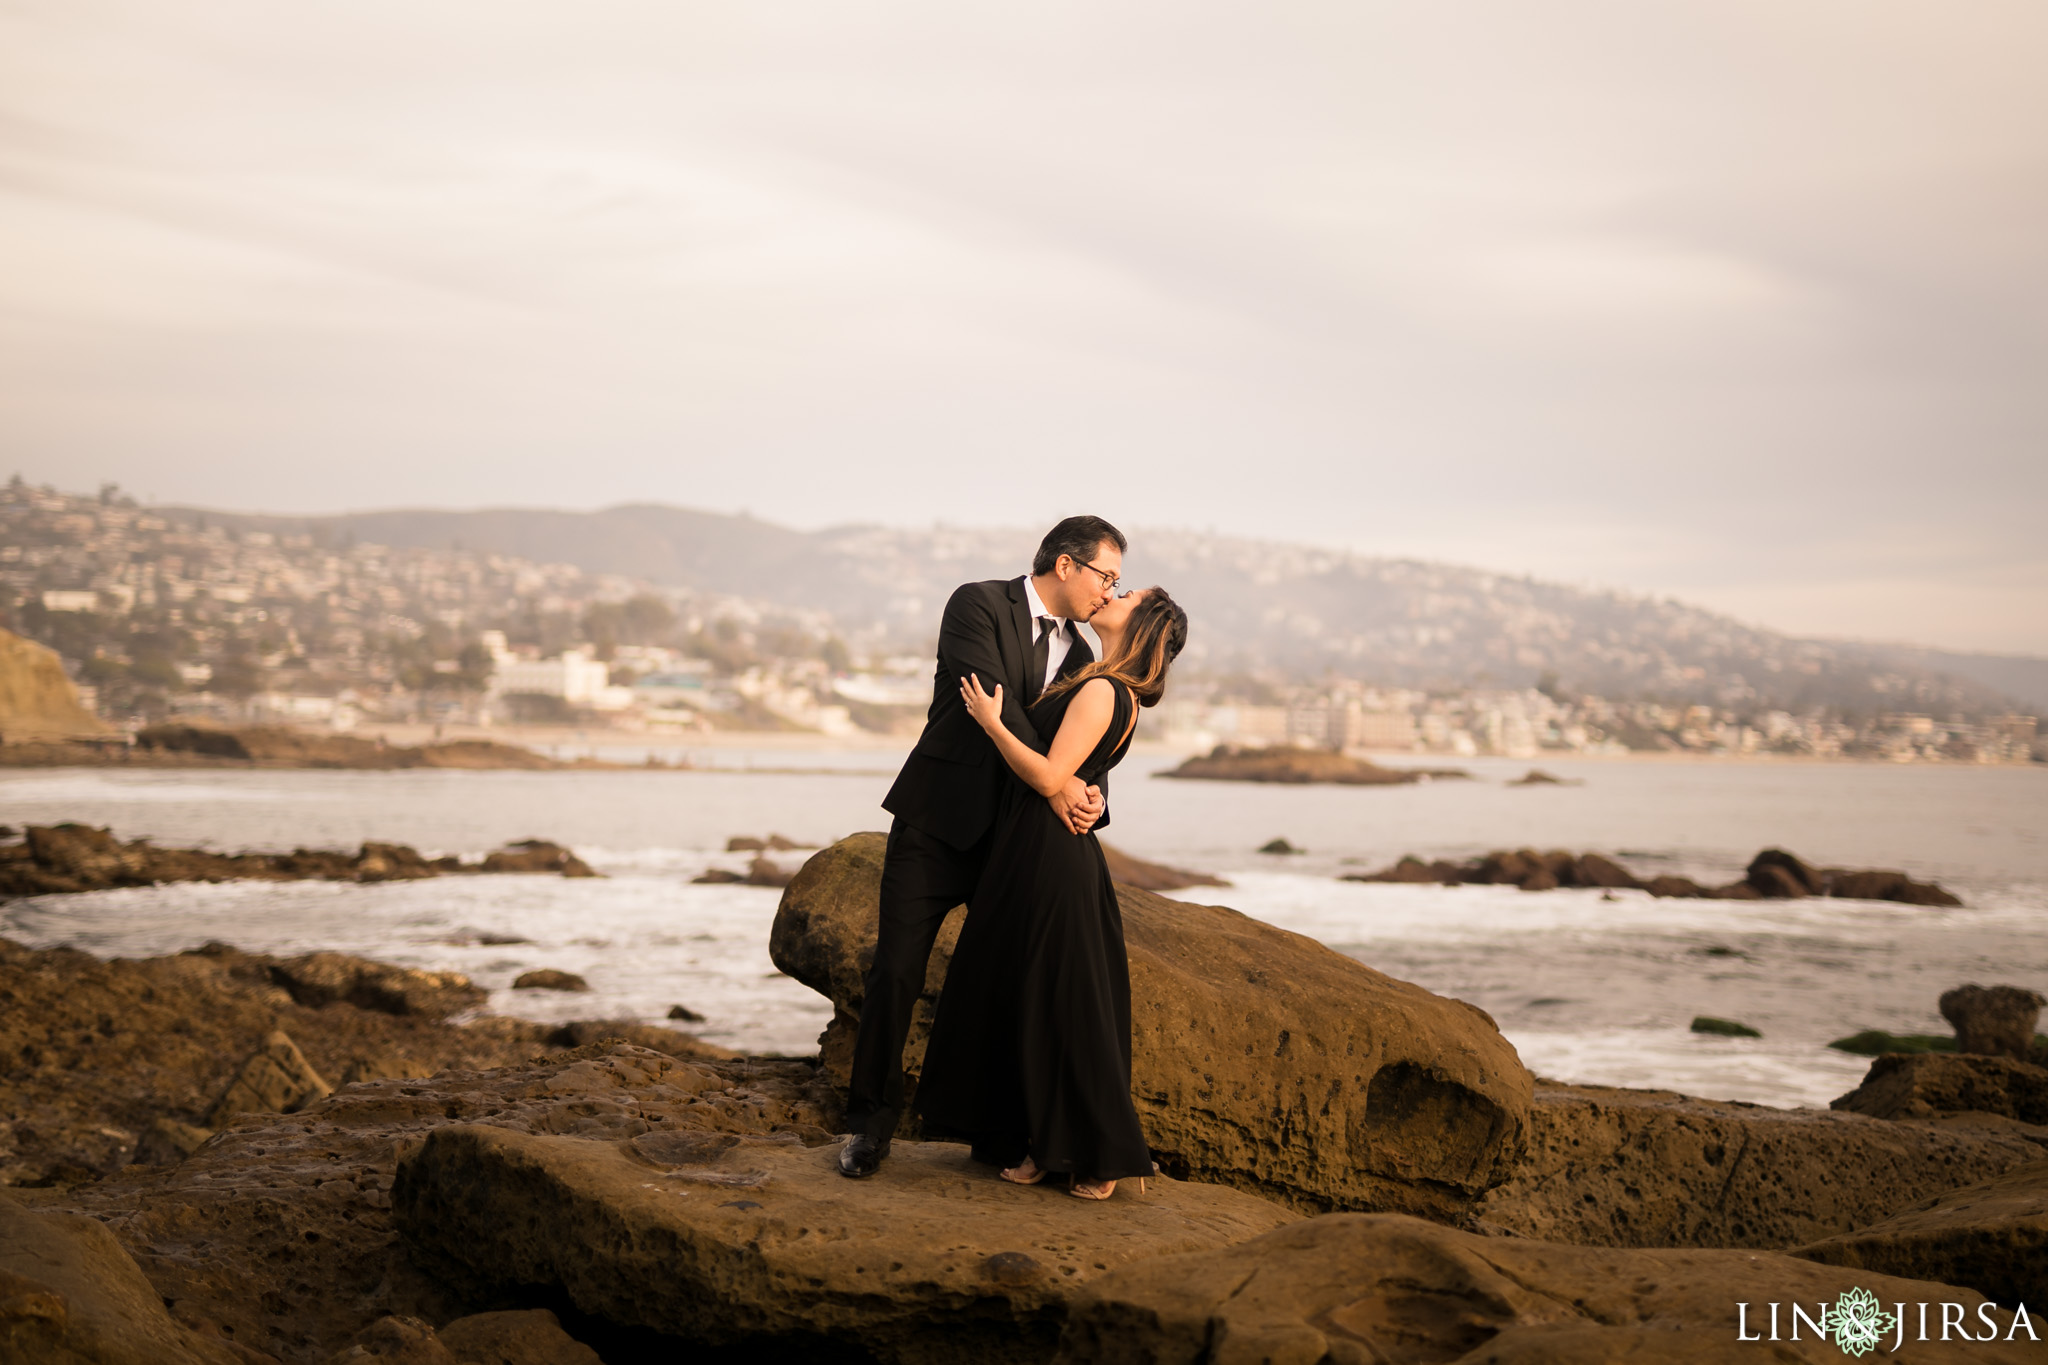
column 1037, row 1174
column 1098, row 1190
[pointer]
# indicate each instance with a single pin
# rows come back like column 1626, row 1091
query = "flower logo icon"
column 1858, row 1321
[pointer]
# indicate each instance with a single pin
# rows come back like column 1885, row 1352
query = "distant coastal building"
column 66, row 599
column 577, row 676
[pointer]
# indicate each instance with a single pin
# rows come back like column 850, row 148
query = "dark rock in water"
column 1260, row 1058
column 774, row 843
column 71, row 1295
column 1410, row 870
column 549, row 979
column 1779, row 875
column 1889, row 886
column 1736, row 891
column 1612, row 1167
column 57, row 859
column 1727, row 1028
column 685, row 1013
column 934, row 1263
column 1991, row 1236
column 1152, row 876
column 762, row 872
column 1536, row 777
column 718, row 876
column 1996, row 1020
column 276, row 1079
column 1597, row 869
column 1876, row 1042
column 1287, row 764
column 1915, row 1085
column 1279, row 846
column 1375, row 1287
column 537, row 855
column 1669, row 886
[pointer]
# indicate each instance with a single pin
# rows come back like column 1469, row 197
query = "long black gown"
column 1030, row 1051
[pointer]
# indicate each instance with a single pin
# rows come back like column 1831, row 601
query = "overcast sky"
column 1744, row 301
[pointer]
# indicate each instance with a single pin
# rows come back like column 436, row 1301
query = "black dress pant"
column 923, row 878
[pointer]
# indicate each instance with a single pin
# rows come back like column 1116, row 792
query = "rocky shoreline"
column 274, row 746
column 1772, row 875
column 45, row 860
column 1355, row 1170
column 1287, row 764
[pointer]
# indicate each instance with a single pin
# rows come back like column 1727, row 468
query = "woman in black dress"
column 1030, row 1052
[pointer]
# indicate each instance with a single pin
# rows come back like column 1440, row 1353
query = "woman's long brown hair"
column 1158, row 630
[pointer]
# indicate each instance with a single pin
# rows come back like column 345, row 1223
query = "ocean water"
column 1588, row 988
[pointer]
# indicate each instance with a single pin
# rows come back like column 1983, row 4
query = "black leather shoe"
column 862, row 1156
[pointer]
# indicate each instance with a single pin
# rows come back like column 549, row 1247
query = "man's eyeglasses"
column 1109, row 580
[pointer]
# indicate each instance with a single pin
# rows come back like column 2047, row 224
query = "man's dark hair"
column 1078, row 537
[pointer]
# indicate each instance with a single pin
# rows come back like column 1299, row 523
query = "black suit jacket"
column 953, row 780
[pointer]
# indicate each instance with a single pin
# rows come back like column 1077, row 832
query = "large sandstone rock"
column 1914, row 1085
column 531, row 1336
column 1991, row 1236
column 1996, row 1020
column 725, row 1239
column 69, row 1295
column 279, row 1231
column 1260, row 1058
column 37, row 700
column 1651, row 1168
column 1150, row 876
column 1362, row 1289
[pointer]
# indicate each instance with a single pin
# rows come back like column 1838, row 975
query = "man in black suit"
column 1020, row 633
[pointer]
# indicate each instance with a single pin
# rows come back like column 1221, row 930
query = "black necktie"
column 1041, row 650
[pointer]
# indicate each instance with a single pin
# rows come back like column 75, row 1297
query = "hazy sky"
column 1745, row 302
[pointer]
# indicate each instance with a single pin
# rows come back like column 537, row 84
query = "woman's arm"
column 1086, row 721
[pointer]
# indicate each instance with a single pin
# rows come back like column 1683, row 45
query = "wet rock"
column 1411, row 870
column 1779, row 875
column 762, row 872
column 391, row 863
column 1667, row 886
column 1736, row 891
column 531, row 1336
column 1614, row 1167
column 549, row 979
column 1370, row 1288
column 774, row 843
column 1153, row 876
column 1287, row 764
column 1876, row 1042
column 276, row 1079
column 70, row 1295
column 1279, row 846
column 1991, row 1236
column 1260, row 1058
column 1536, row 777
column 1995, row 1020
column 537, row 855
column 1727, row 1028
column 1917, row 1085
column 1889, row 886
column 718, row 876
column 317, row 979
column 924, row 1263
column 1596, row 869
column 685, row 1014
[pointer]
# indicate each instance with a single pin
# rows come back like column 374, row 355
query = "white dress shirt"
column 1062, row 633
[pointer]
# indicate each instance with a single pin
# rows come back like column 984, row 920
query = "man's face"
column 1085, row 588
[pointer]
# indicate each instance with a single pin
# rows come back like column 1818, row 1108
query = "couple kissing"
column 1029, row 1060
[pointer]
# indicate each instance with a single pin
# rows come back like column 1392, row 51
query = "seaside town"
column 161, row 614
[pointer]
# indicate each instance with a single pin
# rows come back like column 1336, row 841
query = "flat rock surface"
column 1378, row 1289
column 1651, row 1168
column 1991, row 1236
column 1260, row 1058
column 933, row 1259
